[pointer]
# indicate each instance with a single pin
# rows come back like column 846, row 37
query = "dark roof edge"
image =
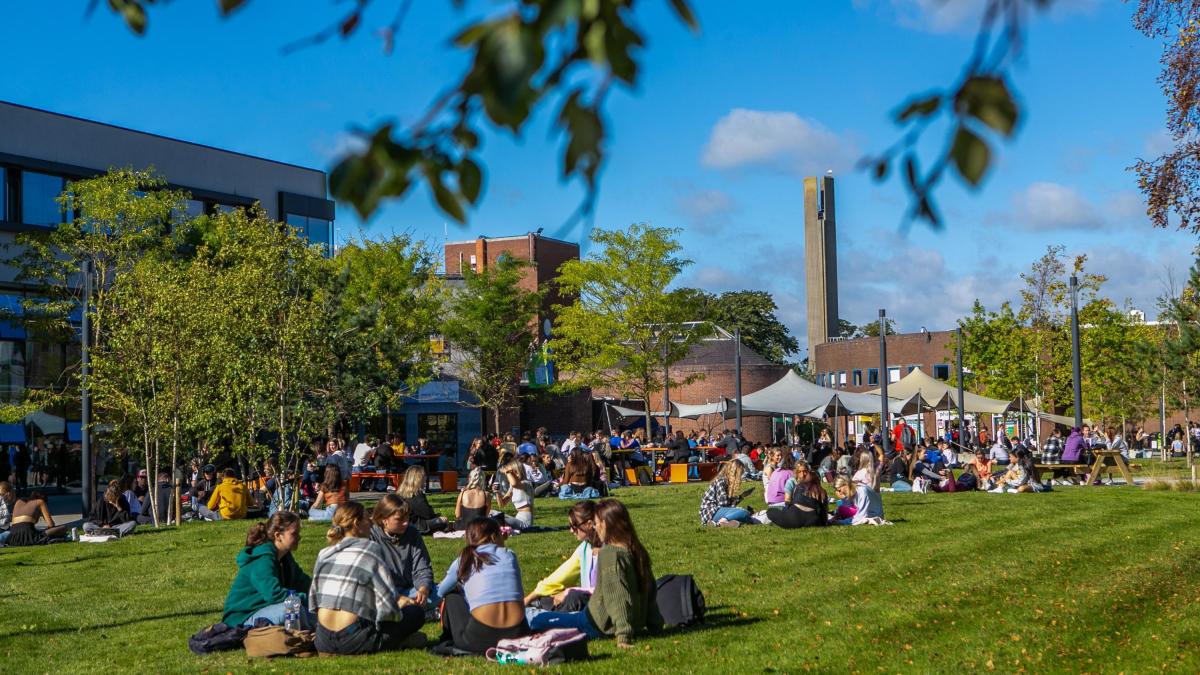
column 161, row 136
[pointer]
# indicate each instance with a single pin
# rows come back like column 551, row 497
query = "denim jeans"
column 547, row 620
column 274, row 614
column 433, row 599
column 322, row 515
column 901, row 486
column 4, row 536
column 732, row 513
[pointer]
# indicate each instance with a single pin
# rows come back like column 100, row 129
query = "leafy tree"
column 1181, row 343
column 625, row 329
column 847, row 329
column 489, row 326
column 753, row 313
column 384, row 301
column 871, row 329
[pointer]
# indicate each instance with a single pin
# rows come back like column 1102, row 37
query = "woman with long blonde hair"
column 518, row 493
column 421, row 514
column 474, row 501
column 358, row 608
column 719, row 504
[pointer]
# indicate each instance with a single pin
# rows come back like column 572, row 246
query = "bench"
column 449, row 481
column 356, row 479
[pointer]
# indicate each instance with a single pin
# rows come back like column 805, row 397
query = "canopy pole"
column 835, row 422
column 962, row 412
column 886, row 431
column 737, row 367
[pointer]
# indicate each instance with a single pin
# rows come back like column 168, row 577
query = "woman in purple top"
column 1073, row 450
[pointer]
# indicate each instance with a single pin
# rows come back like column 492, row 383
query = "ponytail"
column 345, row 520
column 479, row 532
column 261, row 533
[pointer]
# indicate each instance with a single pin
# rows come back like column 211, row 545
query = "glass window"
column 842, row 378
column 298, row 222
column 911, row 368
column 319, row 231
column 857, row 378
column 12, row 370
column 38, row 194
column 821, row 379
column 224, row 208
column 941, row 371
column 872, row 377
column 47, row 362
column 3, row 194
column 893, row 374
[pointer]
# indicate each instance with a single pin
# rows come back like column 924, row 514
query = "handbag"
column 271, row 641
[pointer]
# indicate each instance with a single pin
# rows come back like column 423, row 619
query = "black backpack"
column 218, row 637
column 679, row 600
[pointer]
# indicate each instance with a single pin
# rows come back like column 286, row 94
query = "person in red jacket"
column 901, row 435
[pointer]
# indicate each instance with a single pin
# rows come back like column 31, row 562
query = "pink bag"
column 550, row 647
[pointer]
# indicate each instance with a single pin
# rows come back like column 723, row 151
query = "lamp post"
column 737, row 367
column 85, row 395
column 1077, row 388
column 886, row 432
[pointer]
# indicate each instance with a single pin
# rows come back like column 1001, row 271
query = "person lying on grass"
column 805, row 502
column 719, row 506
column 623, row 604
column 359, row 610
column 482, row 596
column 266, row 573
column 569, row 587
column 404, row 551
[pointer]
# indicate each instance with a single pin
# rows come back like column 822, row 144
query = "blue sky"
column 715, row 140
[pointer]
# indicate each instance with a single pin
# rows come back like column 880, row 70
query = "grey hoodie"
column 406, row 557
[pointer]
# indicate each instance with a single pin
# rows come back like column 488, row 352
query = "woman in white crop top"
column 518, row 494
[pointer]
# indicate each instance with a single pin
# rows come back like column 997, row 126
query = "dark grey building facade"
column 41, row 150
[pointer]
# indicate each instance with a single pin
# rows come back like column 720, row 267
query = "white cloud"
column 708, row 211
column 778, row 141
column 941, row 16
column 339, row 145
column 1158, row 144
column 1045, row 206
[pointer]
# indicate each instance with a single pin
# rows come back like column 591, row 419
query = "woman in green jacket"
column 267, row 574
column 623, row 603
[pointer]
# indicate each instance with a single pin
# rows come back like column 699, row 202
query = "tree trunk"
column 496, row 419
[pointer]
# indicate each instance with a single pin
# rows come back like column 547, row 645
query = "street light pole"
column 85, row 395
column 1075, row 369
column 737, row 367
column 885, row 432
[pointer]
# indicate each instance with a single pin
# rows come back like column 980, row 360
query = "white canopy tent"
column 696, row 411
column 794, row 395
column 937, row 395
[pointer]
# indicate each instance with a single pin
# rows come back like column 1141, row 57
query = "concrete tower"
column 820, row 262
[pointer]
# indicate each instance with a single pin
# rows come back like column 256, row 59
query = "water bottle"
column 291, row 611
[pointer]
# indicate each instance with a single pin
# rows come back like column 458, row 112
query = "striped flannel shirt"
column 351, row 575
column 1052, row 451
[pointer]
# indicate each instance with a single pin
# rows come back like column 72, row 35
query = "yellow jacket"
column 232, row 498
column 570, row 573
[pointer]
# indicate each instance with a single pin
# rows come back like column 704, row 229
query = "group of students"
column 794, row 494
column 372, row 587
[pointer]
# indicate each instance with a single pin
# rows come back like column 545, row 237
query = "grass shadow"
column 117, row 554
column 114, row 624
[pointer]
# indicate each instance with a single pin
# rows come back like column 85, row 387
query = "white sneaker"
column 997, row 490
column 1012, row 491
column 729, row 523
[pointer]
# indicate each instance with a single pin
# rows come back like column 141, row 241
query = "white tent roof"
column 695, row 411
column 934, row 393
column 47, row 423
column 794, row 395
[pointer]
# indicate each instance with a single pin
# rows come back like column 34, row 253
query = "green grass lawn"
column 1081, row 579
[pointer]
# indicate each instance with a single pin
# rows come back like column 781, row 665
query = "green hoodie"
column 262, row 580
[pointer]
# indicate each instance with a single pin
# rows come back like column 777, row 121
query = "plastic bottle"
column 291, row 612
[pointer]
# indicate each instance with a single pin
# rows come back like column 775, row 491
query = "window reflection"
column 38, row 194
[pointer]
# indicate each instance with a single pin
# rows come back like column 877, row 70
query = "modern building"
column 40, row 151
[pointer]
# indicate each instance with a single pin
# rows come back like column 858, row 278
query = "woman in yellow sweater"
column 569, row 587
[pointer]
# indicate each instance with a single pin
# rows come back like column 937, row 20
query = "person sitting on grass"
column 569, row 587
column 474, row 501
column 828, row 466
column 719, row 504
column 782, row 473
column 482, row 596
column 624, row 603
column 898, row 472
column 110, row 512
column 228, row 501
column 358, row 608
column 1016, row 479
column 516, row 492
column 771, row 460
column 268, row 574
column 805, row 502
column 333, row 492
column 25, row 516
column 861, row 503
column 421, row 514
column 538, row 474
column 981, row 465
column 404, row 551
column 577, row 480
column 7, row 498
